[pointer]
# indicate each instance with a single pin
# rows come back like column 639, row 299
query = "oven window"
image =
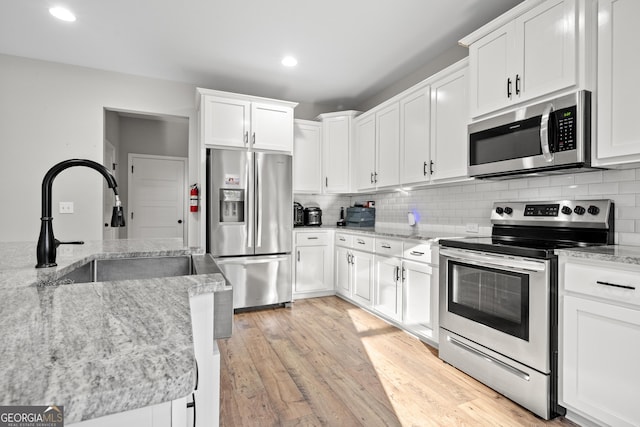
column 493, row 297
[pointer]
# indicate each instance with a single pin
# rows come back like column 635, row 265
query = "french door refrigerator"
column 249, row 223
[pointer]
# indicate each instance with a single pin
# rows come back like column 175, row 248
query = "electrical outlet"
column 66, row 207
column 472, row 227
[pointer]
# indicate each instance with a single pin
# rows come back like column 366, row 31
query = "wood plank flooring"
column 325, row 362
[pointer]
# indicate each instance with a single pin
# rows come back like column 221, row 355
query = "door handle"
column 298, row 256
column 246, row 137
column 430, row 167
column 258, row 201
column 615, row 285
column 509, row 87
column 253, row 138
column 372, row 177
column 424, row 169
column 517, row 84
column 179, row 221
column 544, row 133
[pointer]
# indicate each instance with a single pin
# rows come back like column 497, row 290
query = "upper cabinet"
column 539, row 49
column 415, row 156
column 337, row 135
column 242, row 121
column 307, row 150
column 364, row 163
column 618, row 140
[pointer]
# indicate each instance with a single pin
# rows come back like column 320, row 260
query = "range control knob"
column 579, row 210
column 566, row 210
column 593, row 210
column 508, row 210
column 499, row 210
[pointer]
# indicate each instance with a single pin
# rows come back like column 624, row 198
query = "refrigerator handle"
column 250, row 199
column 258, row 202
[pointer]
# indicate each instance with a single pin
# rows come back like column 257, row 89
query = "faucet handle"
column 76, row 242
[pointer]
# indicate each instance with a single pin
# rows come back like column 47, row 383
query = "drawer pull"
column 342, row 239
column 633, row 288
column 416, row 253
column 384, row 245
column 360, row 242
column 312, row 238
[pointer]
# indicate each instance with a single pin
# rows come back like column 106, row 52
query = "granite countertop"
column 96, row 348
column 612, row 253
column 428, row 236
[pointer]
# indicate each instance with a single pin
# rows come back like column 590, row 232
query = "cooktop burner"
column 536, row 229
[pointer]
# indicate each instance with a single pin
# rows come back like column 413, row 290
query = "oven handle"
column 544, row 133
column 494, row 261
column 488, row 358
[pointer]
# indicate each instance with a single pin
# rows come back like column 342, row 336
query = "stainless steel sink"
column 104, row 270
column 107, row 270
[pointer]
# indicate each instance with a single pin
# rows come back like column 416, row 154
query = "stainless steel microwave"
column 551, row 136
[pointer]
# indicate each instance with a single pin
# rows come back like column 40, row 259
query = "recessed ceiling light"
column 62, row 14
column 289, row 61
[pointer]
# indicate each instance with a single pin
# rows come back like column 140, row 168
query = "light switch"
column 66, row 207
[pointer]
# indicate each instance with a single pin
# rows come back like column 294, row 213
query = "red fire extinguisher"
column 193, row 198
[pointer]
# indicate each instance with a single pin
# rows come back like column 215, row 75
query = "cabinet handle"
column 372, row 177
column 360, row 241
column 298, row 256
column 431, row 167
column 342, row 239
column 375, row 177
column 509, row 87
column 394, row 274
column 326, row 181
column 246, row 137
column 633, row 288
column 517, row 84
column 253, row 138
column 384, row 245
column 416, row 253
column 404, row 275
column 424, row 169
column 312, row 238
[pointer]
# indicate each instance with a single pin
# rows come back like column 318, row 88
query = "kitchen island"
column 96, row 348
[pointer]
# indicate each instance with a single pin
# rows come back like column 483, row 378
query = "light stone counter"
column 391, row 232
column 611, row 253
column 96, row 348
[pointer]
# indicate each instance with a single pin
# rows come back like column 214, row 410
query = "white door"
column 307, row 146
column 365, row 160
column 343, row 271
column 388, row 146
column 110, row 160
column 388, row 287
column 157, row 189
column 271, row 127
column 336, row 141
column 414, row 137
column 362, row 278
column 225, row 121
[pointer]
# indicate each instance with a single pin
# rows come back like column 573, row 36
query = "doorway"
column 157, row 204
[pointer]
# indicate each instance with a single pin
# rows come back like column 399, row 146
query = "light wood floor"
column 326, row 362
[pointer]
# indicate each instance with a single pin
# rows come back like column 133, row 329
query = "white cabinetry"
column 314, row 264
column 242, row 121
column 534, row 54
column 618, row 90
column 388, row 278
column 337, row 135
column 599, row 341
column 449, row 118
column 378, row 148
column 354, row 268
column 415, row 156
column 307, row 152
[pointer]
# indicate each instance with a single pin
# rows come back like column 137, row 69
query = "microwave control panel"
column 565, row 129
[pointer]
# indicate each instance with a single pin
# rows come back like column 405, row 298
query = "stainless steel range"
column 498, row 296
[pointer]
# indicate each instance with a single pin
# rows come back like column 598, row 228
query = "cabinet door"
column 362, row 278
column 618, row 71
column 414, row 137
column 490, row 71
column 420, row 302
column 600, row 345
column 387, row 172
column 343, row 271
column 547, row 49
column 365, row 152
column 388, row 287
column 307, row 174
column 312, row 266
column 225, row 122
column 449, row 118
column 336, row 140
column 271, row 127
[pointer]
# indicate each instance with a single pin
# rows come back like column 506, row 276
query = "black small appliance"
column 312, row 215
column 298, row 214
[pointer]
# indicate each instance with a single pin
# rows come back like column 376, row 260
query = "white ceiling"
column 347, row 50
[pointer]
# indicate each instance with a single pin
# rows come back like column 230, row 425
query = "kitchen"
column 52, row 93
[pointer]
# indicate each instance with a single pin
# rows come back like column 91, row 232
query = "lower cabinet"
column 599, row 342
column 421, row 298
column 362, row 277
column 343, row 271
column 388, row 287
column 314, row 264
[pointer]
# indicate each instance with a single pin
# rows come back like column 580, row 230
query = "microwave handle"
column 544, row 133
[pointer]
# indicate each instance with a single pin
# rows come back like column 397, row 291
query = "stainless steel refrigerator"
column 249, row 221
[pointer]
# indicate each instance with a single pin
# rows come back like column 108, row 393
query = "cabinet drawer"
column 312, row 238
column 420, row 252
column 343, row 239
column 363, row 243
column 388, row 247
column 603, row 281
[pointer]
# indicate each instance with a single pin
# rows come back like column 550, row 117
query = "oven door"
column 498, row 301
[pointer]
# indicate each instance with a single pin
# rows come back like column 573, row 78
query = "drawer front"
column 343, row 239
column 420, row 252
column 312, row 238
column 603, row 281
column 388, row 247
column 363, row 243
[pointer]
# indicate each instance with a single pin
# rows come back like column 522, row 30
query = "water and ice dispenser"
column 231, row 205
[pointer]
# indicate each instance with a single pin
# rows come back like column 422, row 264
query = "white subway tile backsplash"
column 603, row 188
column 629, row 187
column 625, row 225
column 615, row 175
column 575, row 191
column 518, row 183
column 588, row 177
column 539, row 182
column 562, row 180
column 551, row 192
